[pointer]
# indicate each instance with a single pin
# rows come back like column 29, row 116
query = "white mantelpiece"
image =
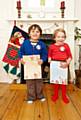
column 48, row 26
column 43, row 19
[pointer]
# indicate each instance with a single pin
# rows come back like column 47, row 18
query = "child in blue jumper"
column 33, row 46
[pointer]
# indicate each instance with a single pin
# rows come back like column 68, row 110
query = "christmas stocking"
column 11, row 57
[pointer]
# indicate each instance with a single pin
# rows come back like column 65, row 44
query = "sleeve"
column 21, row 51
column 69, row 54
column 44, row 52
column 49, row 52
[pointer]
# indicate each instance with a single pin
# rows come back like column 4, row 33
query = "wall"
column 77, row 12
column 6, row 8
column 77, row 9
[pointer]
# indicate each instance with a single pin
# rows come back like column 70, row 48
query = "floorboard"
column 13, row 104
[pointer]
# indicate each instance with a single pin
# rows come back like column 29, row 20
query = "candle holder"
column 62, row 12
column 19, row 8
column 62, row 8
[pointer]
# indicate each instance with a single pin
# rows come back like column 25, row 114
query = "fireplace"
column 48, row 26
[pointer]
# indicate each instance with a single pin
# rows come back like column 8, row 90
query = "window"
column 33, row 5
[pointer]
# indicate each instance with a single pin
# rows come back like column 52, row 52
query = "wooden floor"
column 14, row 107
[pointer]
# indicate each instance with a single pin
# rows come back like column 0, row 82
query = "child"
column 60, row 51
column 34, row 46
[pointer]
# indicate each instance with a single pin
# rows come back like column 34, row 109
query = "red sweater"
column 59, row 52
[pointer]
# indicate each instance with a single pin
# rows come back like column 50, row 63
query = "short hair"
column 59, row 30
column 34, row 26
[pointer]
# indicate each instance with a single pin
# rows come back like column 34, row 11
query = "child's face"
column 34, row 34
column 60, row 37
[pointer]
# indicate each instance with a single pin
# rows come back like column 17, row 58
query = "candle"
column 42, row 2
column 19, row 4
column 62, row 5
column 19, row 8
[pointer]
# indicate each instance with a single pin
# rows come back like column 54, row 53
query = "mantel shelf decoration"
column 62, row 8
column 19, row 8
column 77, row 33
column 42, row 12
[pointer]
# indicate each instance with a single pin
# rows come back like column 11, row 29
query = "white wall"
column 77, row 9
column 77, row 13
column 6, row 9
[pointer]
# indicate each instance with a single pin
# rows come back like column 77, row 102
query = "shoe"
column 29, row 101
column 42, row 99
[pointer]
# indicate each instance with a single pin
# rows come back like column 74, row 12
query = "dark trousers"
column 34, row 89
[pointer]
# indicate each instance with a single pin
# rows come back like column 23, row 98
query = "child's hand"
column 49, row 59
column 71, row 81
column 63, row 64
column 22, row 61
column 40, row 62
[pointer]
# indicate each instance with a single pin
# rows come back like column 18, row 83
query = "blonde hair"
column 59, row 30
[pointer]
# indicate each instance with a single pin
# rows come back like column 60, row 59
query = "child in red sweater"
column 60, row 51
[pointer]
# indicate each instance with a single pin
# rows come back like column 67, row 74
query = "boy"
column 33, row 46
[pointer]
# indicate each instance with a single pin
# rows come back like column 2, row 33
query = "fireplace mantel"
column 48, row 26
column 44, row 19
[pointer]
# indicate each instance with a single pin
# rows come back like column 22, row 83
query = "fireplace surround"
column 48, row 26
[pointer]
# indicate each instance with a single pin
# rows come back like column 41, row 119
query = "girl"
column 60, row 51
